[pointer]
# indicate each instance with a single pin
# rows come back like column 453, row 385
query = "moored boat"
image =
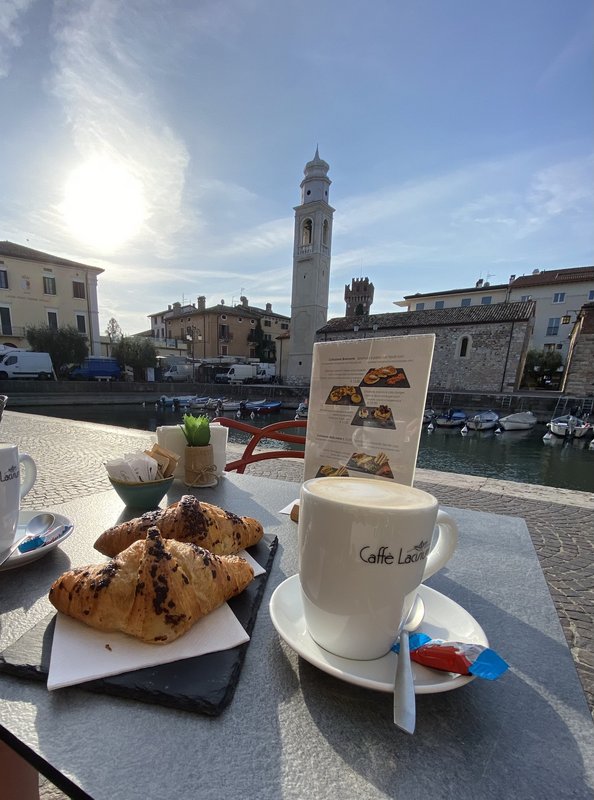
column 569, row 426
column 483, row 421
column 222, row 404
column 182, row 400
column 428, row 416
column 451, row 418
column 261, row 406
column 302, row 410
column 519, row 421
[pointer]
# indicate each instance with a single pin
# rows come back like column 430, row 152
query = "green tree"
column 137, row 352
column 541, row 367
column 65, row 345
column 264, row 349
column 113, row 330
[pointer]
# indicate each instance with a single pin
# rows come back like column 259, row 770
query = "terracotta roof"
column 552, row 276
column 255, row 311
column 236, row 311
column 435, row 317
column 13, row 250
column 471, row 290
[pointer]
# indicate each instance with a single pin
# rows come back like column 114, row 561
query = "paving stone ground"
column 70, row 456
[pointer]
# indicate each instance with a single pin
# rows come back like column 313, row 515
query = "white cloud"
column 11, row 30
column 272, row 236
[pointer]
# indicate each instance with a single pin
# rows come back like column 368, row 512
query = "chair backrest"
column 274, row 431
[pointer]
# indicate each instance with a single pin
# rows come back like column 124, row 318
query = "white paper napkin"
column 289, row 508
column 80, row 653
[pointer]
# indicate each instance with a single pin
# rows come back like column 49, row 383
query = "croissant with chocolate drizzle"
column 188, row 520
column 155, row 590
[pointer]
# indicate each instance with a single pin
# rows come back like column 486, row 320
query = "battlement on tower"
column 358, row 297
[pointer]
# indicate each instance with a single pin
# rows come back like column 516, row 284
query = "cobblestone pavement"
column 69, row 456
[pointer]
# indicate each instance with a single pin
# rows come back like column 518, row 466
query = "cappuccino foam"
column 369, row 492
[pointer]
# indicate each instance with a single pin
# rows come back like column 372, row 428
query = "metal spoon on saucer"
column 37, row 526
column 404, row 685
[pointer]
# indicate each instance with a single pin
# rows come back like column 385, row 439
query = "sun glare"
column 104, row 204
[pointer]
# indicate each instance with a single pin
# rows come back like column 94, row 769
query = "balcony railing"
column 18, row 331
column 304, row 250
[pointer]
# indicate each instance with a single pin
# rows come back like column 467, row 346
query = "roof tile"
column 434, row 317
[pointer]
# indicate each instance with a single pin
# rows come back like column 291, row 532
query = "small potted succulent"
column 200, row 469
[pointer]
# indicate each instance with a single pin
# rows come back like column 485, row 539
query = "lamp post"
column 193, row 336
column 190, row 338
column 200, row 338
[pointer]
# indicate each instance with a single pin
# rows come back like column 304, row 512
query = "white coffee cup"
column 12, row 490
column 365, row 545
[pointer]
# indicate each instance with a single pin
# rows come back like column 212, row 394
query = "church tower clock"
column 311, row 267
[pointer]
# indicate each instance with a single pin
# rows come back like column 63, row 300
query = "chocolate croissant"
column 188, row 520
column 154, row 590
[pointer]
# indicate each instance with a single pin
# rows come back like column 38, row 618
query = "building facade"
column 37, row 288
column 312, row 248
column 579, row 379
column 477, row 348
column 220, row 331
column 558, row 294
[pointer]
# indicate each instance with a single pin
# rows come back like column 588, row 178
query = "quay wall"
column 45, row 393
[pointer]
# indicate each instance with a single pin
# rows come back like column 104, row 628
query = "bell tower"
column 311, row 267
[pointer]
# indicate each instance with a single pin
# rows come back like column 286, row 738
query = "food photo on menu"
column 328, row 471
column 375, row 417
column 378, row 464
column 345, row 396
column 386, row 376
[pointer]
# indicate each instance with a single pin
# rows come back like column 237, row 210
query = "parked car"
column 15, row 363
column 96, row 368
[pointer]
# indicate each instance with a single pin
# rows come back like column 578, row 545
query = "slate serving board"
column 204, row 684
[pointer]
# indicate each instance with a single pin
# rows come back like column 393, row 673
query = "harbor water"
column 521, row 456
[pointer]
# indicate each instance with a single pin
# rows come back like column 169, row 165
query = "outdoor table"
column 293, row 731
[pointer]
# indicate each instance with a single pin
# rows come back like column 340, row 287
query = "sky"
column 165, row 140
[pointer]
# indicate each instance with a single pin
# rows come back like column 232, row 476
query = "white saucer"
column 444, row 619
column 18, row 559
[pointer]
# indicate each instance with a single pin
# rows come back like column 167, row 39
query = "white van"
column 25, row 364
column 179, row 372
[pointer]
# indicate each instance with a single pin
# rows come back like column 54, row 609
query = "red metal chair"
column 274, row 431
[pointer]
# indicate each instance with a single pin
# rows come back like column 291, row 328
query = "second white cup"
column 12, row 489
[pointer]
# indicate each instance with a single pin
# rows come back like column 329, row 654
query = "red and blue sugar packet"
column 459, row 657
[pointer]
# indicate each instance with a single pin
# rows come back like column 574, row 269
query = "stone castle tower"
column 358, row 297
column 311, row 267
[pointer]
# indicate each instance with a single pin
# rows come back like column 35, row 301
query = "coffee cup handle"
column 443, row 546
column 30, row 473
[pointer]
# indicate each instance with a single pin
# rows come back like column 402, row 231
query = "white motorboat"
column 483, row 421
column 428, row 416
column 569, row 426
column 302, row 410
column 452, row 418
column 520, row 421
column 182, row 400
column 222, row 404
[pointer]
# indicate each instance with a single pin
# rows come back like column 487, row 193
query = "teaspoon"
column 404, row 685
column 37, row 526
